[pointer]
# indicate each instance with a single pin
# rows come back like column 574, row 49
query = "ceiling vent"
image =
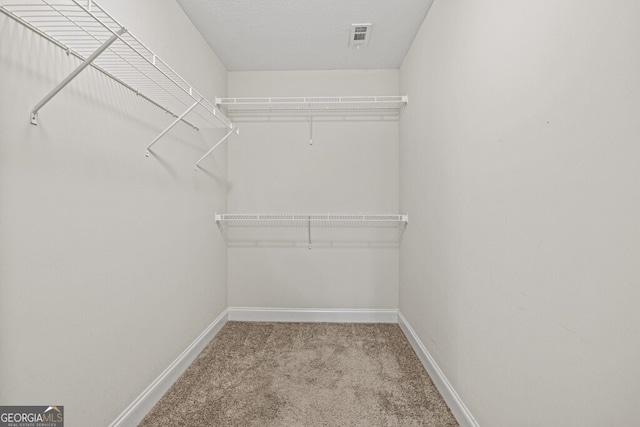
column 360, row 34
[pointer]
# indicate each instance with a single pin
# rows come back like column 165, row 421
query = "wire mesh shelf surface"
column 387, row 106
column 351, row 230
column 82, row 27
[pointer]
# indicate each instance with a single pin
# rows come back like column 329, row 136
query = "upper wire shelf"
column 86, row 31
column 371, row 230
column 390, row 107
column 316, row 218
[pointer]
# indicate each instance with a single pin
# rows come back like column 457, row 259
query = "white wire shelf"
column 86, row 31
column 388, row 107
column 312, row 229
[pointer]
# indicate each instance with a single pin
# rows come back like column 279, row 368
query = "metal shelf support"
column 310, row 128
column 224, row 138
column 168, row 128
column 74, row 73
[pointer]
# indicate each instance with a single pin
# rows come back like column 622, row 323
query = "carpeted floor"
column 304, row 374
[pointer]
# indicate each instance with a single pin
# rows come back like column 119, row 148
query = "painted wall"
column 110, row 262
column 519, row 169
column 352, row 167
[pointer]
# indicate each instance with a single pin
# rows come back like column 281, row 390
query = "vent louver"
column 360, row 34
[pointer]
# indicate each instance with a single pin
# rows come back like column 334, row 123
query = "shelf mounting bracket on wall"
column 224, row 138
column 74, row 73
column 310, row 128
column 175, row 122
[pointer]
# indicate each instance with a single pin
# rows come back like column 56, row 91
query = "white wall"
column 110, row 262
column 519, row 169
column 351, row 167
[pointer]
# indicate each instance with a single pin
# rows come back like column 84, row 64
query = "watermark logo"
column 32, row 416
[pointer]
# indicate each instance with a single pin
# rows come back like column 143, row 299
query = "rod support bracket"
column 34, row 118
column 224, row 138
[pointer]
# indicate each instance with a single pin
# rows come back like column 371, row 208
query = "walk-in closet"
column 415, row 213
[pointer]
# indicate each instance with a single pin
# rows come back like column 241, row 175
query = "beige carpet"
column 304, row 374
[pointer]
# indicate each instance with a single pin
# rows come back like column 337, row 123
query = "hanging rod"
column 86, row 31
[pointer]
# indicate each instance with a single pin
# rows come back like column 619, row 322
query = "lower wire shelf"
column 312, row 230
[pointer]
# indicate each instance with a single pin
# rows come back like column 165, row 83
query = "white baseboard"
column 252, row 314
column 458, row 408
column 152, row 394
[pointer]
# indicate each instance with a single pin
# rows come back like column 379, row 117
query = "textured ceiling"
column 306, row 34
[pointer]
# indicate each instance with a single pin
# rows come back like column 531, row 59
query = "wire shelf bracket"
column 168, row 128
column 89, row 33
column 74, row 73
column 224, row 138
